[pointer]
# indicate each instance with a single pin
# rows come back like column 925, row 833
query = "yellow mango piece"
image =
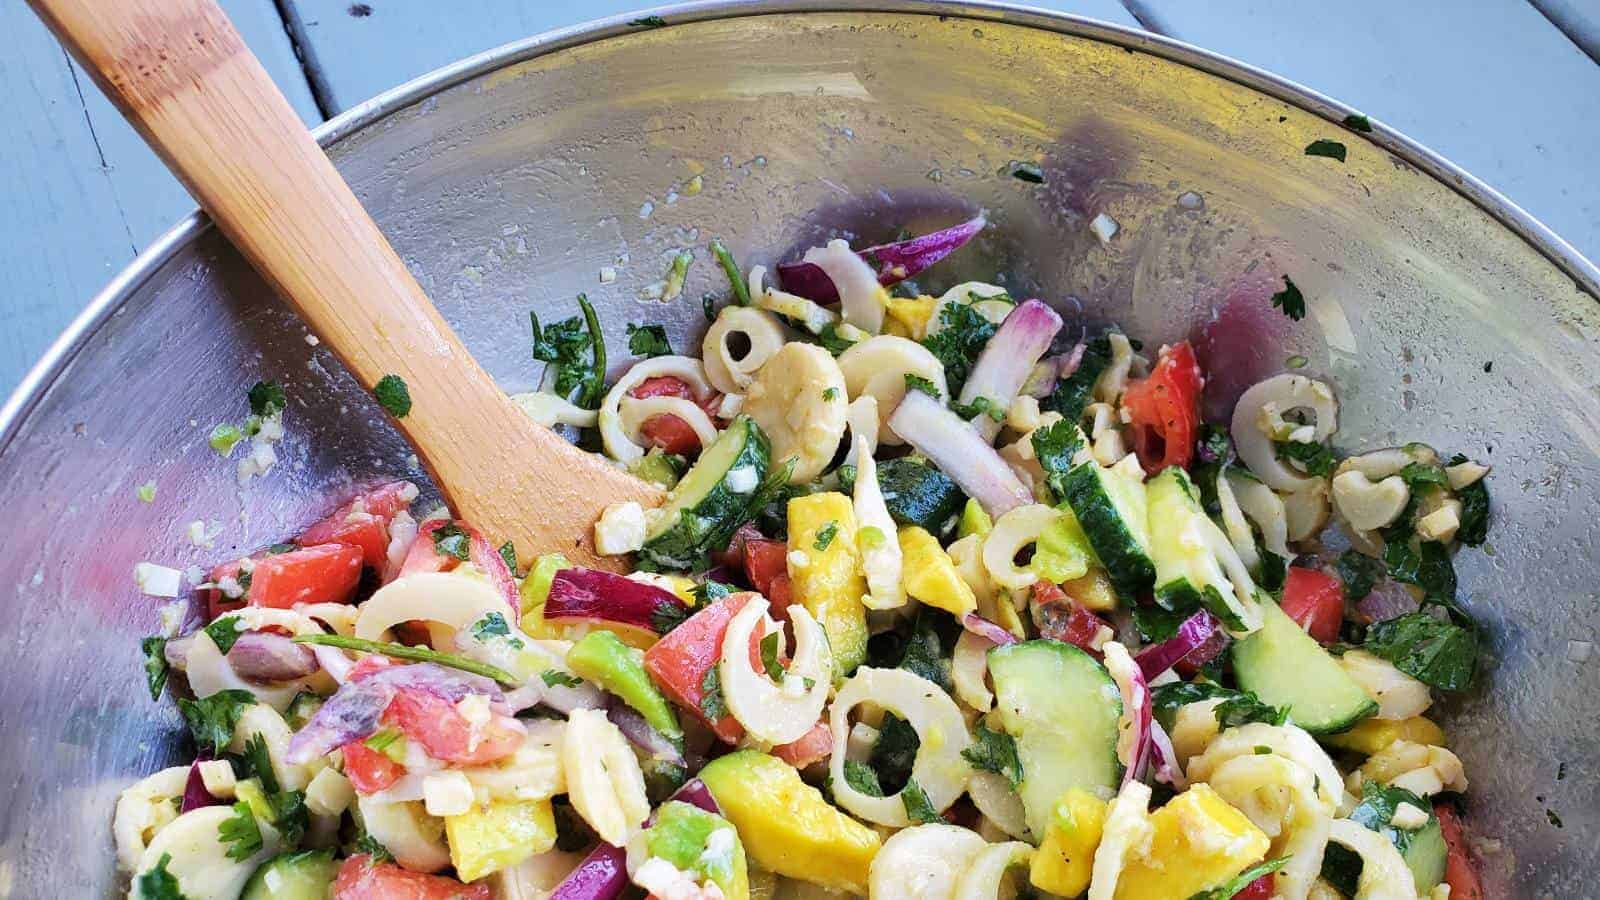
column 825, row 572
column 1371, row 736
column 897, row 328
column 497, row 836
column 1199, row 842
column 786, row 825
column 913, row 313
column 930, row 576
column 1066, row 855
column 1093, row 590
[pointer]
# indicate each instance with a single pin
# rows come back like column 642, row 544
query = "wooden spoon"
column 182, row 75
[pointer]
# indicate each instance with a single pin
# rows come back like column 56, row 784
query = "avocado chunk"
column 604, row 659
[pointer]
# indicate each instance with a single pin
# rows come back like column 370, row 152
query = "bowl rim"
column 1585, row 274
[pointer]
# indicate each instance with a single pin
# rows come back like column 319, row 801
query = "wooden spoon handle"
column 182, row 75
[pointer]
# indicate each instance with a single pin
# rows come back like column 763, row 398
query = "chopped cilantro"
column 826, row 534
column 508, row 555
column 393, row 395
column 489, row 626
column 1237, row 707
column 741, row 290
column 257, row 763
column 1427, row 565
column 553, row 677
column 1358, row 122
column 668, row 616
column 832, row 394
column 1326, row 148
column 980, row 406
column 648, row 340
column 925, row 653
column 1290, row 300
column 212, row 719
column 995, row 751
column 374, row 849
column 1027, row 171
column 1440, row 654
column 1419, row 475
column 452, row 540
column 769, row 656
column 157, row 883
column 895, row 753
column 575, row 347
column 710, row 591
column 1242, row 880
column 919, row 809
column 155, row 664
column 962, row 335
column 241, row 832
column 711, row 702
column 832, row 341
column 915, row 382
column 1474, row 500
column 224, row 437
column 860, row 776
column 1316, row 459
column 1053, row 447
column 1359, row 572
column 224, row 631
column 266, row 398
column 290, row 815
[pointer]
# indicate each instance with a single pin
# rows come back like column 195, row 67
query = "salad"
column 949, row 599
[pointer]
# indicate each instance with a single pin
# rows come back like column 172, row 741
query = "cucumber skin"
column 918, row 494
column 1129, row 566
column 680, row 542
column 306, row 875
column 1252, row 654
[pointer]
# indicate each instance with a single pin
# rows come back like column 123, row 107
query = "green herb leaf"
column 919, row 809
column 1342, row 867
column 1237, row 707
column 1426, row 565
column 575, row 348
column 1358, row 122
column 491, row 625
column 224, row 631
column 508, row 555
column 1327, row 148
column 958, row 342
column 915, row 382
column 553, row 677
column 212, row 719
column 825, row 535
column 1360, row 574
column 995, row 751
column 1290, row 300
column 895, row 753
column 1027, row 171
column 648, row 340
column 290, row 815
column 741, row 290
column 769, row 656
column 708, row 306
column 667, row 616
column 393, row 395
column 240, row 831
column 980, row 406
column 1318, row 459
column 373, row 848
column 832, row 341
column 1072, row 393
column 711, row 702
column 1474, row 499
column 860, row 776
column 648, row 22
column 224, row 437
column 925, row 653
column 832, row 394
column 157, row 883
column 452, row 540
column 257, row 762
column 1421, row 475
column 710, row 592
column 1054, row 447
column 1440, row 654
column 1242, row 880
column 155, row 664
column 414, row 654
column 266, row 398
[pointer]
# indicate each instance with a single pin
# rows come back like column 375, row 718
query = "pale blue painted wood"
column 362, row 49
column 82, row 194
column 1490, row 84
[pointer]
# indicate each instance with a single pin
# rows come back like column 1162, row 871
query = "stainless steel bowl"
column 510, row 180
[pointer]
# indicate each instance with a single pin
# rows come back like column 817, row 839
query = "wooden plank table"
column 1503, row 87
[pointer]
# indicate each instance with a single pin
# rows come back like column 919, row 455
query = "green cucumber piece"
column 712, row 498
column 604, row 659
column 1112, row 508
column 1062, row 708
column 1423, row 848
column 918, row 494
column 1188, row 575
column 1284, row 666
column 307, row 875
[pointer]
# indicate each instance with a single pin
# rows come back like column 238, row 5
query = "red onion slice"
column 603, row 874
column 640, row 733
column 1008, row 358
column 589, row 595
column 989, row 631
column 1389, row 599
column 894, row 262
column 1192, row 635
column 263, row 657
column 960, row 452
column 195, row 794
column 1164, row 761
column 1133, row 743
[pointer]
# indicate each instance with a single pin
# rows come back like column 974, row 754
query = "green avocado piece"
column 604, row 659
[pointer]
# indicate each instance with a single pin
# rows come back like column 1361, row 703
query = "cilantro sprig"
column 414, row 654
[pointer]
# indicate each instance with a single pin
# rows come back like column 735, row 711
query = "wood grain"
column 183, row 77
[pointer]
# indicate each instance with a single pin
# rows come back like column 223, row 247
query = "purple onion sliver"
column 893, row 263
column 351, row 714
column 960, row 452
column 1389, row 598
column 1166, row 769
column 992, row 632
column 590, row 595
column 263, row 657
column 195, row 794
column 440, row 681
column 1143, row 718
column 1192, row 635
column 1008, row 358
column 640, row 733
column 695, row 793
column 602, row 875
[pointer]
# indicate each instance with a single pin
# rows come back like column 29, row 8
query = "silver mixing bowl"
column 510, row 180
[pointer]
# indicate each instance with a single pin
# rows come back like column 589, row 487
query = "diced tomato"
column 780, row 593
column 671, row 434
column 673, row 386
column 733, row 557
column 1189, row 666
column 1165, row 409
column 363, row 522
column 1460, row 872
column 1064, row 619
column 329, row 573
column 813, row 746
column 368, row 770
column 423, row 556
column 1314, row 599
column 445, row 734
column 1260, row 889
column 487, row 558
column 765, row 561
column 678, row 663
column 368, row 664
column 360, row 878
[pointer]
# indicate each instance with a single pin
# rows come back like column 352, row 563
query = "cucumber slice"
column 1187, row 572
column 712, row 499
column 307, row 875
column 918, row 494
column 1284, row 666
column 1062, row 708
column 1112, row 508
